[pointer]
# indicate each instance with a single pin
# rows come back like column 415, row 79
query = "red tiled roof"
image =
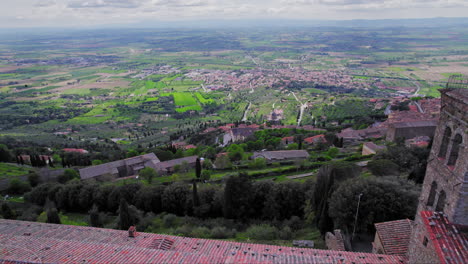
column 34, row 242
column 395, row 236
column 314, row 139
column 450, row 244
column 75, row 150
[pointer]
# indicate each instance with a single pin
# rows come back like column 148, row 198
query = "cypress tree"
column 125, row 219
column 53, row 216
column 198, row 168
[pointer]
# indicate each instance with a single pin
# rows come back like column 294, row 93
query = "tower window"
column 432, row 194
column 455, row 149
column 441, row 202
column 445, row 142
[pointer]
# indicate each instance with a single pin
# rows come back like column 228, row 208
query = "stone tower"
column 445, row 187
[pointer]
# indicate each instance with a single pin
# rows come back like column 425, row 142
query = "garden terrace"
column 50, row 243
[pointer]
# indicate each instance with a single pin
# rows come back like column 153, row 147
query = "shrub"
column 383, row 167
column 221, row 232
column 200, row 232
column 18, row 186
column 33, row 179
column 286, row 233
column 169, row 220
column 262, row 232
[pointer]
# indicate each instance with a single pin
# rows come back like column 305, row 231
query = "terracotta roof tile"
column 49, row 243
column 450, row 244
column 395, row 236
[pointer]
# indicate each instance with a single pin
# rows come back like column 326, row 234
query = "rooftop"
column 395, row 236
column 34, row 242
column 281, row 154
column 450, row 243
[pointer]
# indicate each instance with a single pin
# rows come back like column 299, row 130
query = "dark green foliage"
column 5, row 154
column 237, row 197
column 383, row 199
column 285, row 199
column 328, row 178
column 7, row 212
column 148, row 174
column 383, row 167
column 125, row 219
column 198, row 168
column 68, row 174
column 18, row 186
column 174, row 198
column 94, row 217
column 53, row 216
column 262, row 232
column 149, row 199
column 33, row 179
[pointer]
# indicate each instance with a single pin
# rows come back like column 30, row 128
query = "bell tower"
column 445, row 187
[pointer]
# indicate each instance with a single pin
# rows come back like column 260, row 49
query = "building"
column 281, row 155
column 443, row 204
column 370, row 148
column 238, row 134
column 167, row 167
column 392, row 238
column 33, row 242
column 287, row 140
column 316, row 139
column 408, row 130
column 121, row 168
column 74, row 150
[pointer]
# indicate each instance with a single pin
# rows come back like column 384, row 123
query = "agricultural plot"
column 10, row 170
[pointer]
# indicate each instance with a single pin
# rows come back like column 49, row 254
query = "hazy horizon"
column 99, row 13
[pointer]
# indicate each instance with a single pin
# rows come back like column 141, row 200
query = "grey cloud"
column 182, row 3
column 45, row 3
column 105, row 3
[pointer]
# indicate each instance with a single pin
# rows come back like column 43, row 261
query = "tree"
column 237, row 193
column 198, row 168
column 148, row 174
column 18, row 186
column 235, row 152
column 94, row 217
column 53, row 216
column 5, row 154
column 33, row 179
column 7, row 212
column 383, row 167
column 125, row 219
column 68, row 175
column 223, row 162
column 383, row 199
column 205, row 175
column 328, row 178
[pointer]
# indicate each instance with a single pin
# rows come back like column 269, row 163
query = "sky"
column 95, row 13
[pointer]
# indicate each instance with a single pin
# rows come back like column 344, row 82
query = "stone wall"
column 417, row 252
column 335, row 240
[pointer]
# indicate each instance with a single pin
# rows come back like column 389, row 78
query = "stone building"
column 408, row 130
column 443, row 202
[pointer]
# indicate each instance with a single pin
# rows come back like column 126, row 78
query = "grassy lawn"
column 184, row 99
column 10, row 170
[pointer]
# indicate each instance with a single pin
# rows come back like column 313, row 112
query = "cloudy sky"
column 75, row 13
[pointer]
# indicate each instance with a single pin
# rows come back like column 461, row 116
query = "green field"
column 11, row 170
column 184, row 99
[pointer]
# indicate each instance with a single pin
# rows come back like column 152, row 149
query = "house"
column 370, row 148
column 287, row 140
column 393, row 237
column 237, row 134
column 351, row 136
column 167, row 167
column 281, row 155
column 27, row 158
column 74, row 150
column 316, row 139
column 418, row 142
column 412, row 129
column 35, row 242
column 120, row 168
